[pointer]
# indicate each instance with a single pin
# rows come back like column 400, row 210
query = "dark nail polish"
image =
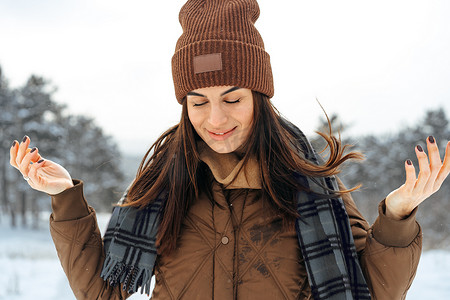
column 409, row 162
column 24, row 139
column 14, row 143
column 431, row 139
column 40, row 161
column 419, row 148
column 32, row 150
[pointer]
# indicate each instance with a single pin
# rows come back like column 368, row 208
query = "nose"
column 217, row 116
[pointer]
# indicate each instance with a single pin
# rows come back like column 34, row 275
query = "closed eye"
column 236, row 101
column 229, row 102
column 199, row 104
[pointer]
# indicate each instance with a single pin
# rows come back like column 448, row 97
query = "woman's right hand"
column 45, row 175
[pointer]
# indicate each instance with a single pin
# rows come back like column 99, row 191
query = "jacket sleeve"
column 389, row 250
column 75, row 233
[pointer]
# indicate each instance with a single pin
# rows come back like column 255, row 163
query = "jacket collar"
column 225, row 166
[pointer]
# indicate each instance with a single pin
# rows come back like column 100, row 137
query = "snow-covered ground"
column 30, row 269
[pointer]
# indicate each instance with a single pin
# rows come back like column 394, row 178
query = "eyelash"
column 229, row 102
column 235, row 101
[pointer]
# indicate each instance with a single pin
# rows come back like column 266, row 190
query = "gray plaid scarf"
column 323, row 231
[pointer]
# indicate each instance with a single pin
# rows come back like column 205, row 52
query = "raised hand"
column 401, row 202
column 41, row 174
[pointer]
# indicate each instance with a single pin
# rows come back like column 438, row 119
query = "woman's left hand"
column 401, row 202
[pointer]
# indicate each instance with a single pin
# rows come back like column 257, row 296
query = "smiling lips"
column 220, row 136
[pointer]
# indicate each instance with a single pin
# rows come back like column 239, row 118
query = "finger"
column 435, row 163
column 13, row 154
column 445, row 169
column 424, row 166
column 410, row 176
column 24, row 166
column 433, row 152
column 22, row 149
column 36, row 158
column 33, row 173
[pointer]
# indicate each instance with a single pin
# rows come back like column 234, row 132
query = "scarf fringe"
column 116, row 272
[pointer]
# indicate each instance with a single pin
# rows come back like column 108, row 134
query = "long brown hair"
column 174, row 167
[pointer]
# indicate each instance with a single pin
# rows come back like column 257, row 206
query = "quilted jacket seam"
column 163, row 278
column 72, row 244
column 196, row 272
column 258, row 255
column 214, row 247
column 59, row 232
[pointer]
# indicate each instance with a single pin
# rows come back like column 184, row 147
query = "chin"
column 222, row 150
column 222, row 147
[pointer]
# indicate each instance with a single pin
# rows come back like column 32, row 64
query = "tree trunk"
column 13, row 216
column 6, row 203
column 35, row 213
column 4, row 187
column 23, row 209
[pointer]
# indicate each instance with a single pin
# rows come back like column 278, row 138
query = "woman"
column 233, row 203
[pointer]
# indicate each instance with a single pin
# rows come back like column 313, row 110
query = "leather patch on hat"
column 207, row 63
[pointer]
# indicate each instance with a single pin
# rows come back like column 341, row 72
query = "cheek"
column 195, row 119
column 247, row 117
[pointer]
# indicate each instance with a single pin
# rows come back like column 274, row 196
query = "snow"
column 433, row 276
column 29, row 265
column 30, row 269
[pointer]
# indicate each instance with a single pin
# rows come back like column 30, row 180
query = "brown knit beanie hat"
column 220, row 45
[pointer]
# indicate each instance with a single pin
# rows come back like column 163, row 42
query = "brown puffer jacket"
column 234, row 249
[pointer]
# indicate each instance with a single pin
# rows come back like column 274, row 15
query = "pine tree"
column 73, row 141
column 7, row 119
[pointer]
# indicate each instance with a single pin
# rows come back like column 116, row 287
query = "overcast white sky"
column 378, row 64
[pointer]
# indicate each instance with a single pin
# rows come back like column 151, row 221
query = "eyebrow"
column 224, row 93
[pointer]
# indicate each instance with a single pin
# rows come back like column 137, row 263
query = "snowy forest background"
column 78, row 144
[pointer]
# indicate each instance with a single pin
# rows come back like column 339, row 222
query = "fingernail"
column 32, row 150
column 419, row 148
column 409, row 162
column 431, row 139
column 40, row 161
column 14, row 143
column 24, row 139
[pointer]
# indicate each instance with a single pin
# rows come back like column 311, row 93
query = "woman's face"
column 221, row 115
